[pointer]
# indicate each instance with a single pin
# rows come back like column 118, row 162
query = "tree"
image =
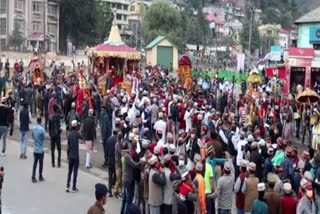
column 83, row 21
column 255, row 39
column 104, row 21
column 16, row 38
column 162, row 19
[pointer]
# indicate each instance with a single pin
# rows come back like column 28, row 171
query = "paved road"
column 20, row 195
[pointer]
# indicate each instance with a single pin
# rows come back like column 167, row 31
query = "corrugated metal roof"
column 155, row 42
column 312, row 16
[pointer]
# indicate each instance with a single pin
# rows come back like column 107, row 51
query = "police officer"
column 101, row 196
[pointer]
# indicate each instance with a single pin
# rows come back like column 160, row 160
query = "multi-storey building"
column 122, row 8
column 38, row 21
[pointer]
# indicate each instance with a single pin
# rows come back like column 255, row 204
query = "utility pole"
column 250, row 28
column 44, row 32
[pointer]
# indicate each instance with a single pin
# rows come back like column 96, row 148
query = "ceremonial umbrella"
column 254, row 77
column 308, row 96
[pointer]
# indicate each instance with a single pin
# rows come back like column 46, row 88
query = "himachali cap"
column 172, row 148
column 271, row 178
column 227, row 166
column 308, row 186
column 281, row 141
column 181, row 131
column 307, row 175
column 254, row 145
column 261, row 187
column 303, row 182
column 167, row 158
column 152, row 160
column 197, row 157
column 199, row 166
column 156, row 150
column 118, row 120
column 193, row 131
column 270, row 150
column 145, row 143
column 252, row 166
column 74, row 123
column 287, row 188
column 250, row 138
column 244, row 163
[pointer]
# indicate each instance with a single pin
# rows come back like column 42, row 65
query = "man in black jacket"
column 3, row 124
column 55, row 131
column 110, row 147
column 73, row 155
column 106, row 127
column 89, row 135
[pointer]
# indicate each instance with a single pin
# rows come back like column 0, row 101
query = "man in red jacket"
column 289, row 203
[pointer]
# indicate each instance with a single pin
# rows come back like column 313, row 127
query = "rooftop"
column 311, row 17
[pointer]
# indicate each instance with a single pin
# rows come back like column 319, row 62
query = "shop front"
column 315, row 69
column 298, row 67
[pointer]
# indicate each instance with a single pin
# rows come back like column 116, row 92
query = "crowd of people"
column 170, row 149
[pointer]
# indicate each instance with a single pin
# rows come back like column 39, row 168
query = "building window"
column 118, row 16
column 36, row 6
column 52, row 9
column 3, row 44
column 119, row 6
column 19, row 4
column 36, row 27
column 125, row 7
column 124, row 17
column 52, row 29
column 119, row 26
column 3, row 6
column 3, row 26
column 132, row 8
column 316, row 46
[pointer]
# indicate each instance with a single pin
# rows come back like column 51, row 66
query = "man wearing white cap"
column 259, row 206
column 241, row 147
column 161, row 125
column 249, row 188
column 289, row 203
column 157, row 181
column 224, row 190
column 89, row 136
column 73, row 155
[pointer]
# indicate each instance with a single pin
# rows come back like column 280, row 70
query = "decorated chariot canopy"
column 114, row 46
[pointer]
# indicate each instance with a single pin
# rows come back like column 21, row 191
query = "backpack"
column 54, row 129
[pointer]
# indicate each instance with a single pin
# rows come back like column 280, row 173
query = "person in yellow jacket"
column 199, row 183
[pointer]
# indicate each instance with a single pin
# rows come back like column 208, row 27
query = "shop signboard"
column 316, row 55
column 315, row 64
column 275, row 53
column 315, row 34
column 294, row 62
column 301, row 52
